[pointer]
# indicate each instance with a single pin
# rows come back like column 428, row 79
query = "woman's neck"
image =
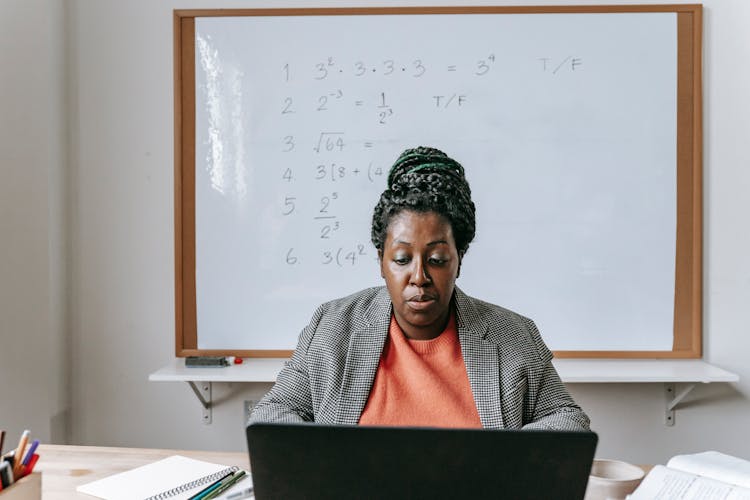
column 426, row 332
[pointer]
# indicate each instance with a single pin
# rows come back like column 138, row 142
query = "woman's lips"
column 421, row 302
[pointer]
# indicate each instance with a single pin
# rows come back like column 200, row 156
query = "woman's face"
column 420, row 264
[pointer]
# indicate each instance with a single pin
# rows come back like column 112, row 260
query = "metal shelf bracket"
column 672, row 399
column 203, row 392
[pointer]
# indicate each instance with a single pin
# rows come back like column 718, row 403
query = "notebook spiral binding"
column 192, row 484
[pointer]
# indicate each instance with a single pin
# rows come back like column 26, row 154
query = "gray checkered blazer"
column 329, row 376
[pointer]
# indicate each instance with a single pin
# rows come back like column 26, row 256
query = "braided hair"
column 425, row 179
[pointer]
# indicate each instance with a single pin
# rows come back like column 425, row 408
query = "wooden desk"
column 65, row 467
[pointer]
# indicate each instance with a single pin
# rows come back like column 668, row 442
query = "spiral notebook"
column 173, row 478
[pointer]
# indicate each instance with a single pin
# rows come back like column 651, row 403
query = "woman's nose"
column 419, row 274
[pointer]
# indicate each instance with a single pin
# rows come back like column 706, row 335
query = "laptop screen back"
column 291, row 461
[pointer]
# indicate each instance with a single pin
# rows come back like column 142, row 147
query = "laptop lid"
column 291, row 461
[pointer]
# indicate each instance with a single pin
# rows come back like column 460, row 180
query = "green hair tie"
column 428, row 165
column 434, row 157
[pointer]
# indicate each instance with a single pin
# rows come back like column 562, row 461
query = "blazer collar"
column 365, row 347
column 482, row 361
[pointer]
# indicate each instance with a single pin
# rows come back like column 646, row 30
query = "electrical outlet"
column 249, row 405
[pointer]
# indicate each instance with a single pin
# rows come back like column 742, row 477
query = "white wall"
column 33, row 342
column 121, row 263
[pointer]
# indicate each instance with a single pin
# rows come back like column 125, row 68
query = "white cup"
column 612, row 480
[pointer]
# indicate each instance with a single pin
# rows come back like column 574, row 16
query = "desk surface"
column 65, row 467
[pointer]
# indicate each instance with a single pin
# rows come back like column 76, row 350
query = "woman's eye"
column 437, row 260
column 401, row 261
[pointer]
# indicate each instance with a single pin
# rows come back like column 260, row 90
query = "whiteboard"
column 565, row 124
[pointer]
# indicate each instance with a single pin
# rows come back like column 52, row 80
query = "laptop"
column 294, row 461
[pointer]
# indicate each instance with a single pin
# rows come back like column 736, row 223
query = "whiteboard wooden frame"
column 688, row 259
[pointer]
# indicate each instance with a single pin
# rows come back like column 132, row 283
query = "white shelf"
column 669, row 372
column 640, row 370
column 571, row 371
column 251, row 370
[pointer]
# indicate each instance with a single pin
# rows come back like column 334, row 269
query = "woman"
column 419, row 351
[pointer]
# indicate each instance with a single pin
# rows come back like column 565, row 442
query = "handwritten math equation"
column 329, row 224
column 319, row 169
column 325, row 169
column 336, row 98
column 329, row 68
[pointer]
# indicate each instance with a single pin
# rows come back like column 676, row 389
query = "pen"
column 18, row 456
column 209, row 488
column 6, row 474
column 240, row 494
column 31, row 464
column 239, row 476
column 221, row 486
column 30, row 453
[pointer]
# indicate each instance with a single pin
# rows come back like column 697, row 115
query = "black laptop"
column 291, row 461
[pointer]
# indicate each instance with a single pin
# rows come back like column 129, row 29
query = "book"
column 707, row 476
column 174, row 477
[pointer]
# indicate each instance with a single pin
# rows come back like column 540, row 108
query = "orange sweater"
column 421, row 383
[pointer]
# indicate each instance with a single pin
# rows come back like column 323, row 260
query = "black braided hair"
column 425, row 179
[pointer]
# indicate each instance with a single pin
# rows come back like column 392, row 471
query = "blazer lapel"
column 365, row 347
column 482, row 362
